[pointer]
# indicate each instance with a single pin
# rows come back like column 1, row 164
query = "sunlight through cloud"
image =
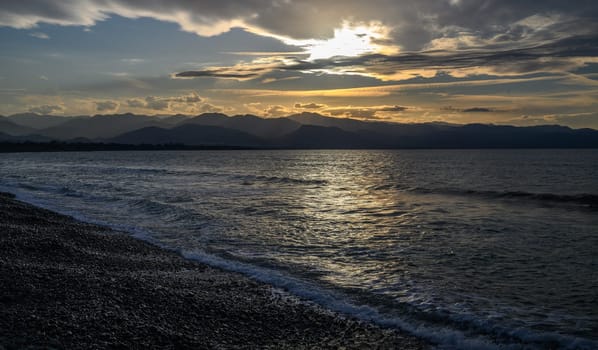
column 349, row 41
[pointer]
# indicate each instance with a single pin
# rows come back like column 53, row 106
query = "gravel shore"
column 71, row 285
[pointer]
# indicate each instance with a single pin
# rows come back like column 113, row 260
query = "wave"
column 30, row 187
column 140, row 170
column 584, row 199
column 452, row 334
column 167, row 211
column 249, row 179
column 64, row 190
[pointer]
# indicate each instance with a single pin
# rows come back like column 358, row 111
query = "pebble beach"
column 72, row 285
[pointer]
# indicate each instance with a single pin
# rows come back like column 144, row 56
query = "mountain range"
column 304, row 130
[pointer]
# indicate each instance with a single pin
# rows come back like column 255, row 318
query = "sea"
column 469, row 249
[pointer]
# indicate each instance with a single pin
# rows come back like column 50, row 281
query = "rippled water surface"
column 467, row 248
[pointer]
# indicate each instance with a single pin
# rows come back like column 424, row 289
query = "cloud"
column 578, row 120
column 272, row 79
column 40, row 35
column 411, row 25
column 193, row 97
column 573, row 120
column 157, row 103
column 136, row 103
column 309, row 105
column 351, row 112
column 191, row 103
column 380, row 91
column 208, row 108
column 243, row 70
column 268, row 110
column 133, row 60
column 370, row 112
column 527, row 120
column 276, row 111
column 444, row 40
column 47, row 109
column 561, row 56
column 106, row 106
column 163, row 103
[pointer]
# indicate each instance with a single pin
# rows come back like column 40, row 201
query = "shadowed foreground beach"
column 68, row 284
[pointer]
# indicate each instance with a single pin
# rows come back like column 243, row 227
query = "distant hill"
column 100, row 126
column 347, row 124
column 13, row 129
column 251, row 124
column 311, row 136
column 304, row 130
column 25, row 138
column 173, row 119
column 37, row 121
column 493, row 136
column 189, row 134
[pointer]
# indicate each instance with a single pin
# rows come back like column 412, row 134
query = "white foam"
column 444, row 338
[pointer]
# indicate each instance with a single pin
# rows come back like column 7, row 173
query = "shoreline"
column 70, row 284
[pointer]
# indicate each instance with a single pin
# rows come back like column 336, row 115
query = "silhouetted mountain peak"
column 248, row 123
column 189, row 134
column 101, row 126
column 303, row 130
column 309, row 118
column 122, row 116
column 37, row 121
column 210, row 115
column 24, row 115
column 313, row 136
column 7, row 126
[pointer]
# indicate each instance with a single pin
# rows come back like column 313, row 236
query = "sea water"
column 466, row 248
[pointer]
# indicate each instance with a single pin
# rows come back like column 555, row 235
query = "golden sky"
column 457, row 61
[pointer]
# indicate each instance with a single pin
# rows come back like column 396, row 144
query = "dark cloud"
column 47, row 109
column 473, row 110
column 413, row 24
column 309, row 105
column 559, row 56
column 477, row 110
column 106, row 106
column 215, row 74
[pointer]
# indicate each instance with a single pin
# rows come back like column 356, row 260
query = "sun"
column 348, row 40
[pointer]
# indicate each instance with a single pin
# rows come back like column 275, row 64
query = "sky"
column 518, row 62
